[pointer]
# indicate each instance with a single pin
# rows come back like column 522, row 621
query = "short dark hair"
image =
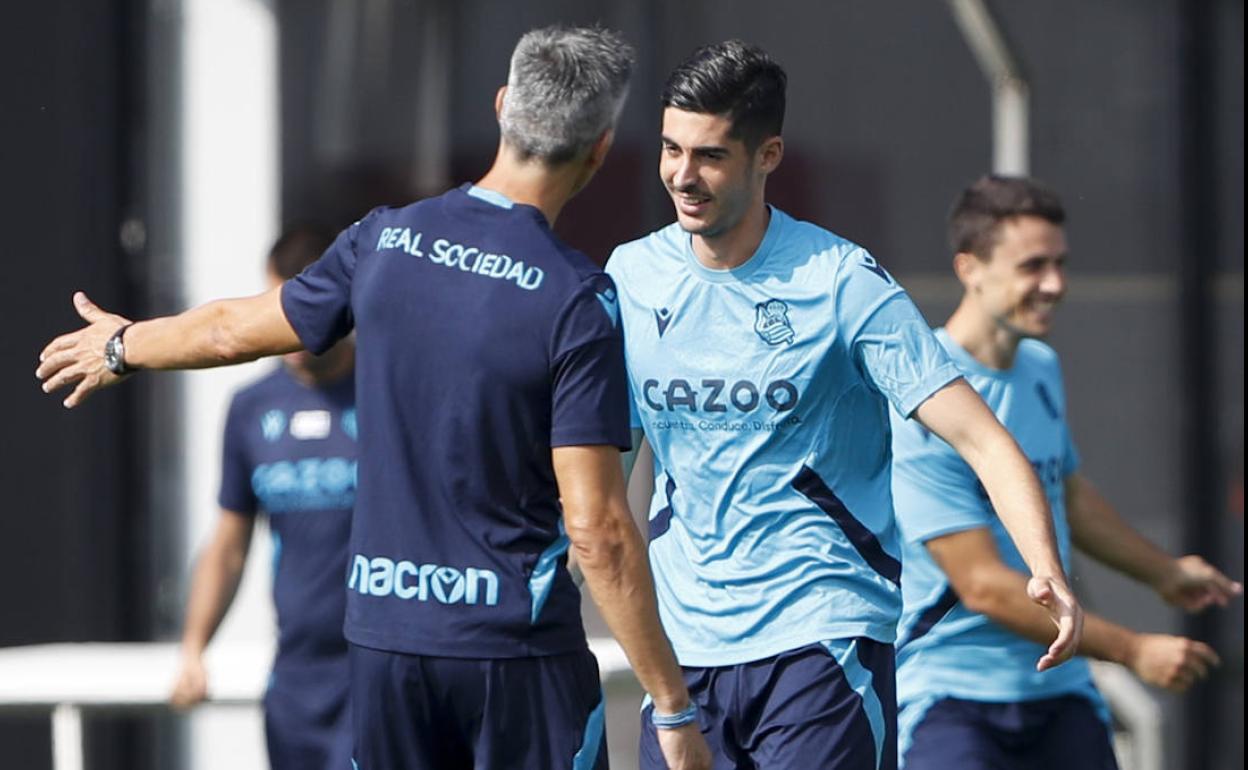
column 975, row 220
column 736, row 79
column 296, row 248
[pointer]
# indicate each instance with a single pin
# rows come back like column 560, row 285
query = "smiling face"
column 714, row 180
column 1023, row 279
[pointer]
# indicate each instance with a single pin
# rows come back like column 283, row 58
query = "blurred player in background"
column 491, row 356
column 763, row 353
column 289, row 451
column 970, row 698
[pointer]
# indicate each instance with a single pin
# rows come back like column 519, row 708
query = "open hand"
column 77, row 358
column 1056, row 598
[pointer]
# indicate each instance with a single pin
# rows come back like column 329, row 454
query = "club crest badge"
column 273, row 424
column 771, row 322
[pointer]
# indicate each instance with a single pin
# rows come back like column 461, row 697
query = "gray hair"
column 565, row 88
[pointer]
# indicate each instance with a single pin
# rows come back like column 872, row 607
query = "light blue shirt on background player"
column 944, row 650
column 764, row 391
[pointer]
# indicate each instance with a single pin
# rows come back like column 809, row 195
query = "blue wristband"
column 671, row 721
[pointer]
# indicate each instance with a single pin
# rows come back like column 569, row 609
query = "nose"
column 1053, row 281
column 684, row 173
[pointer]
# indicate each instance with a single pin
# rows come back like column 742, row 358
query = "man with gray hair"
column 494, row 402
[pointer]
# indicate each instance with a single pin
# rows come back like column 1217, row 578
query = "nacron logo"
column 717, row 395
column 379, row 576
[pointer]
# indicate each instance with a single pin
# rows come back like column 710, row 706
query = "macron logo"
column 662, row 317
column 380, row 576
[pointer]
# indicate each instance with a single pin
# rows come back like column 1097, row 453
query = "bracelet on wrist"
column 685, row 716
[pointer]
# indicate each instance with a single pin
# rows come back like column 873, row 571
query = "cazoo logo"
column 718, row 395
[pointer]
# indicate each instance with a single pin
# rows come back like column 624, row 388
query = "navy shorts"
column 417, row 712
column 1064, row 732
column 307, row 717
column 831, row 706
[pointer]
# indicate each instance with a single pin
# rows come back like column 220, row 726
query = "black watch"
column 115, row 352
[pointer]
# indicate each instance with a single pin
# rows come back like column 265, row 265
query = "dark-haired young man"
column 497, row 402
column 969, row 697
column 763, row 353
column 289, row 451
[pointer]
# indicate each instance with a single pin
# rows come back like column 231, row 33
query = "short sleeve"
column 934, row 491
column 590, row 396
column 236, row 492
column 317, row 302
column 887, row 335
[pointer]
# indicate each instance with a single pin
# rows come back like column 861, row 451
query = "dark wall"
column 73, row 526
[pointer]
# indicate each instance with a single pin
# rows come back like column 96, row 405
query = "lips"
column 691, row 204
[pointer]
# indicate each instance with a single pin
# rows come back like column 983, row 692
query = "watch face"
column 112, row 355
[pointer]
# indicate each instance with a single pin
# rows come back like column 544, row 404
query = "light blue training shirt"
column 945, row 650
column 764, row 391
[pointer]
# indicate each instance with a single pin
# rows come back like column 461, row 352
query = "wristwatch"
column 115, row 352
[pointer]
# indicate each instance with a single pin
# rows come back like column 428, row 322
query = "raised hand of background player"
column 1194, row 584
column 1172, row 662
column 78, row 357
column 191, row 685
column 1056, row 598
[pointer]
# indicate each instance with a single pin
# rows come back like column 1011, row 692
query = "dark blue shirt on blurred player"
column 290, row 450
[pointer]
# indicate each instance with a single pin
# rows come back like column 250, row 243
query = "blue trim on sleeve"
column 543, row 576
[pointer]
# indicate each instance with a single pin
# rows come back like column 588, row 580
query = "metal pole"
column 67, row 737
column 1010, row 96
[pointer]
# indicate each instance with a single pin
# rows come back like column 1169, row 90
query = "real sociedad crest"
column 771, row 321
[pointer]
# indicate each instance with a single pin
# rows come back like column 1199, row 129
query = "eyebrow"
column 701, row 148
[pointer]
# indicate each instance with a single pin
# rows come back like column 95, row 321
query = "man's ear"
column 598, row 153
column 770, row 153
column 967, row 267
column 498, row 101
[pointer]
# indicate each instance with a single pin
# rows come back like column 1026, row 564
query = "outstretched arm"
column 612, row 557
column 217, row 573
column 1099, row 530
column 218, row 333
column 986, row 585
column 957, row 414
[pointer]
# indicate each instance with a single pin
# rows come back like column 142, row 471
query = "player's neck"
column 734, row 247
column 533, row 183
column 980, row 335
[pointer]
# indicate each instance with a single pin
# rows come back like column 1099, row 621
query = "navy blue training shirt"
column 483, row 342
column 290, row 451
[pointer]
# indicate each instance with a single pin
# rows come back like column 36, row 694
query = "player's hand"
column 78, row 357
column 1172, row 662
column 1064, row 609
column 191, row 685
column 1194, row 584
column 684, row 748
